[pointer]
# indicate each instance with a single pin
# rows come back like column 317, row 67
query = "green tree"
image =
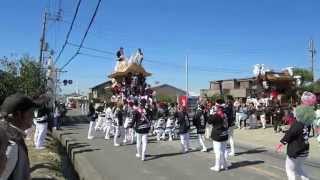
column 214, row 97
column 21, row 75
column 165, row 99
column 306, row 74
column 313, row 87
column 9, row 81
column 32, row 77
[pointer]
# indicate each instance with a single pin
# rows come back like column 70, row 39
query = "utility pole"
column 46, row 55
column 57, row 16
column 312, row 51
column 42, row 39
column 187, row 76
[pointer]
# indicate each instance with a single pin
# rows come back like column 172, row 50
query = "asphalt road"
column 165, row 162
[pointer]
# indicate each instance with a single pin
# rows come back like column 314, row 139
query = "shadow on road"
column 244, row 163
column 73, row 120
column 252, row 151
column 151, row 157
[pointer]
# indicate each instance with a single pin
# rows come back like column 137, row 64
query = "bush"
column 165, row 99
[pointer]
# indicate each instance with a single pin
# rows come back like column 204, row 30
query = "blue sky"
column 223, row 39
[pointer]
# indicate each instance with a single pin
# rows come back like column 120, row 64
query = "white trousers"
column 128, row 135
column 201, row 141
column 117, row 135
column 170, row 133
column 231, row 141
column 185, row 142
column 208, row 131
column 40, row 134
column 142, row 141
column 220, row 154
column 107, row 130
column 91, row 131
column 238, row 119
column 263, row 120
column 294, row 167
column 160, row 134
column 83, row 110
column 99, row 124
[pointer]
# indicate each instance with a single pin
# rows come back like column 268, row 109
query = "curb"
column 81, row 164
column 310, row 162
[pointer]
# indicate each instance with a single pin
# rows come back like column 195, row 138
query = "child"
column 276, row 117
column 160, row 124
column 160, row 128
column 262, row 112
column 170, row 128
column 171, row 122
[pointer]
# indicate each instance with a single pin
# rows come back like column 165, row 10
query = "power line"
column 69, row 32
column 212, row 71
column 171, row 65
column 92, row 49
column 95, row 56
column 100, row 33
column 84, row 37
column 111, row 53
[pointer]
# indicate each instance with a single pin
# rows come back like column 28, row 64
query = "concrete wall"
column 239, row 92
column 233, row 87
column 228, row 84
column 214, row 86
column 233, row 92
column 245, row 84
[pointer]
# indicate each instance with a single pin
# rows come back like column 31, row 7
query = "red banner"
column 183, row 101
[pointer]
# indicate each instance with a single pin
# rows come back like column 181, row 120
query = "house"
column 168, row 91
column 101, row 92
column 238, row 88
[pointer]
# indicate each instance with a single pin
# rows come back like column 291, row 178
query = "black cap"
column 16, row 102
